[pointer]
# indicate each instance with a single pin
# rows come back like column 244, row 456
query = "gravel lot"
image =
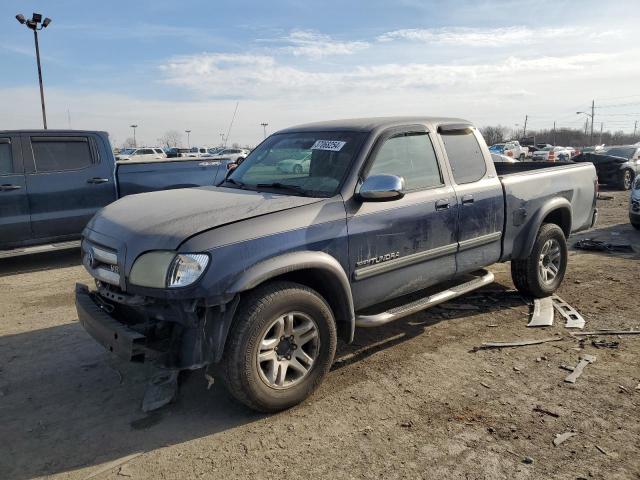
column 410, row 400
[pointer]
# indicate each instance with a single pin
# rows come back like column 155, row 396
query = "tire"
column 626, row 180
column 297, row 169
column 248, row 379
column 528, row 274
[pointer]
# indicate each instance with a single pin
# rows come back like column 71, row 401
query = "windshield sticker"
column 330, row 145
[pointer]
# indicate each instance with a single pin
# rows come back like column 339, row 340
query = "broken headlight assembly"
column 166, row 269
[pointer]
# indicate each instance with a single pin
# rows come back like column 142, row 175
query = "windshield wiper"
column 284, row 186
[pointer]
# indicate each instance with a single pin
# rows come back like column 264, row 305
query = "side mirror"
column 381, row 188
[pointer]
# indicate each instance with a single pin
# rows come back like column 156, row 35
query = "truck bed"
column 139, row 177
column 532, row 188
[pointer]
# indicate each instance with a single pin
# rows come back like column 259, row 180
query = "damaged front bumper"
column 170, row 334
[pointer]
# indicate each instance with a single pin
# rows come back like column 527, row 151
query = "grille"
column 101, row 262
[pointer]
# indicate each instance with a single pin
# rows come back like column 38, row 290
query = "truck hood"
column 165, row 219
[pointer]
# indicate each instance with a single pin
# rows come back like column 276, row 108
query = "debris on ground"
column 459, row 306
column 542, row 315
column 604, row 344
column 484, row 385
column 111, row 465
column 584, row 361
column 563, row 437
column 161, row 390
column 210, row 380
column 566, row 367
column 600, row 246
column 527, row 460
column 572, row 317
column 607, row 332
column 601, row 450
column 638, row 386
column 546, row 411
column 521, row 343
column 623, row 389
column 605, row 197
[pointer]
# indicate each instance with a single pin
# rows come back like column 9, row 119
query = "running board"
column 49, row 247
column 378, row 319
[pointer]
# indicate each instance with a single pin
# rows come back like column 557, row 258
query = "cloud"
column 488, row 37
column 212, row 75
column 314, row 45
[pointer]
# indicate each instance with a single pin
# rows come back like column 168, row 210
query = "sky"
column 185, row 65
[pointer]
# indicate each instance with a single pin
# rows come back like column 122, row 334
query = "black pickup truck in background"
column 53, row 181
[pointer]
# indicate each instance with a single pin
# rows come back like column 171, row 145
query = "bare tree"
column 494, row 134
column 129, row 143
column 171, row 138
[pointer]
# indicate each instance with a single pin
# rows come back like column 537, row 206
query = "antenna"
column 231, row 124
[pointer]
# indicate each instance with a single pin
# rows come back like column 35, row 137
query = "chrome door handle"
column 7, row 187
column 97, row 180
column 443, row 204
column 466, row 199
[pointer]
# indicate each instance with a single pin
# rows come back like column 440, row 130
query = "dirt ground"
column 409, row 400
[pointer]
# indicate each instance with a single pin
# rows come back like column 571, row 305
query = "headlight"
column 166, row 269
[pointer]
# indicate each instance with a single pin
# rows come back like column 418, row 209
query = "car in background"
column 292, row 165
column 142, row 154
column 617, row 165
column 634, row 204
column 510, row 149
column 176, row 152
column 551, row 154
column 233, row 154
column 499, row 158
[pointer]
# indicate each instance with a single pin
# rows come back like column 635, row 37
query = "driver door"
column 401, row 246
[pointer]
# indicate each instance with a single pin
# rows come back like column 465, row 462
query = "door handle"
column 97, row 180
column 442, row 204
column 466, row 199
column 6, row 187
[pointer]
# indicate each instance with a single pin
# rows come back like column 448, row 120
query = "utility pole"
column 188, row 132
column 32, row 24
column 222, row 139
column 264, row 127
column 135, row 144
column 635, row 128
column 593, row 107
column 524, row 130
column 554, row 132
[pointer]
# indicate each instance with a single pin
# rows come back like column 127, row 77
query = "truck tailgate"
column 139, row 177
column 534, row 190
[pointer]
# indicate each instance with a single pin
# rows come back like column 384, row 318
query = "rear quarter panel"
column 530, row 196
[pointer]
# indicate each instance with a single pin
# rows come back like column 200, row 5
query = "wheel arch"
column 317, row 270
column 557, row 211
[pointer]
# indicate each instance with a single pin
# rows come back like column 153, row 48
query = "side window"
column 6, row 160
column 411, row 156
column 465, row 156
column 53, row 155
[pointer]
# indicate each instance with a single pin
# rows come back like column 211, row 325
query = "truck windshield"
column 303, row 163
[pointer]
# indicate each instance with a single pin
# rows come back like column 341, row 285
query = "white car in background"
column 141, row 154
column 291, row 165
column 551, row 154
column 233, row 154
column 511, row 148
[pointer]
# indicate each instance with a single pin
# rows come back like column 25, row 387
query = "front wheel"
column 542, row 272
column 280, row 348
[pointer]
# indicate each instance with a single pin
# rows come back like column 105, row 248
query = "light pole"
column 264, row 128
column 590, row 115
column 135, row 144
column 32, row 24
column 222, row 139
column 188, row 132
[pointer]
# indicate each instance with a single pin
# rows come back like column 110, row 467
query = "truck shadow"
column 37, row 262
column 65, row 404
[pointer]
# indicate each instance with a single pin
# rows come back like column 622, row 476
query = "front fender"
column 316, row 261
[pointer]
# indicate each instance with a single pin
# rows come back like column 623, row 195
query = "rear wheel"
column 626, row 180
column 542, row 272
column 280, row 347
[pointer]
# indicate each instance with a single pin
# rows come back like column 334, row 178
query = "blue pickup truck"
column 257, row 278
column 53, row 181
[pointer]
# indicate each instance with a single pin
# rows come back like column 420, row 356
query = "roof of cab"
column 51, row 131
column 370, row 124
